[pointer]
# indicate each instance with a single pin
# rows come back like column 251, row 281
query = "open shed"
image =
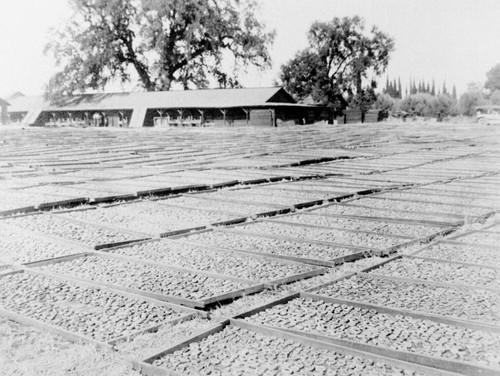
column 210, row 107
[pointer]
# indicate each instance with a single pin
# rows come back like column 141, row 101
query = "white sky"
column 456, row 41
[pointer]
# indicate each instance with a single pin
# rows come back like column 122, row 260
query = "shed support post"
column 160, row 112
column 202, row 117
column 246, row 114
column 223, row 116
column 180, row 116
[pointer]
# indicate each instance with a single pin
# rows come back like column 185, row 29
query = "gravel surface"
column 321, row 190
column 365, row 182
column 16, row 199
column 20, row 248
column 355, row 208
column 346, row 322
column 463, row 253
column 79, row 232
column 454, row 200
column 149, row 217
column 223, row 262
column 441, row 272
column 236, row 351
column 201, row 203
column 91, row 312
column 488, row 238
column 68, row 191
column 27, row 351
column 102, row 188
column 494, row 228
column 328, row 235
column 466, row 186
column 303, row 196
column 422, row 207
column 145, row 278
column 448, row 189
column 242, row 195
column 460, row 303
column 271, row 246
column 338, row 185
column 389, row 228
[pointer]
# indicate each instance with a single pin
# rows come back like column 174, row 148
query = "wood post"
column 247, row 112
column 202, row 116
column 180, row 116
column 224, row 112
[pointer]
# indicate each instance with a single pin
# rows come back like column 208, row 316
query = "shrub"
column 419, row 104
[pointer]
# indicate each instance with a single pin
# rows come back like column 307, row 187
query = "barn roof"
column 208, row 98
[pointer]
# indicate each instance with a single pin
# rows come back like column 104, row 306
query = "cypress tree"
column 445, row 92
column 400, row 92
column 414, row 88
column 433, row 89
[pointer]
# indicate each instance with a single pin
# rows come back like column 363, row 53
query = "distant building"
column 234, row 107
column 4, row 115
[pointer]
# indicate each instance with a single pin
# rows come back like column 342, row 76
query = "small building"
column 4, row 115
column 269, row 107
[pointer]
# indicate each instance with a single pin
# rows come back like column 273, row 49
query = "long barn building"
column 219, row 107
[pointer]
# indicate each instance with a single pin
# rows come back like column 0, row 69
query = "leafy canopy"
column 159, row 42
column 493, row 78
column 340, row 58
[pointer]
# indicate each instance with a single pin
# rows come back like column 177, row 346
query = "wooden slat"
column 52, row 329
column 403, row 312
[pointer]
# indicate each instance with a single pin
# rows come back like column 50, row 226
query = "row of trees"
column 394, row 89
column 420, row 104
column 442, row 105
column 487, row 94
column 196, row 43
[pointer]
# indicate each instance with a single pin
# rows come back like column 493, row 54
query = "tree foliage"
column 495, row 98
column 427, row 105
column 392, row 88
column 468, row 101
column 419, row 104
column 385, row 103
column 161, row 42
column 340, row 57
column 493, row 78
column 442, row 106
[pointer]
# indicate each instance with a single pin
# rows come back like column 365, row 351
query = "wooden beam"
column 247, row 112
column 202, row 116
column 224, row 112
column 180, row 115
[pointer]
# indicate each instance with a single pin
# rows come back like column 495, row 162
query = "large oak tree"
column 342, row 58
column 159, row 42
